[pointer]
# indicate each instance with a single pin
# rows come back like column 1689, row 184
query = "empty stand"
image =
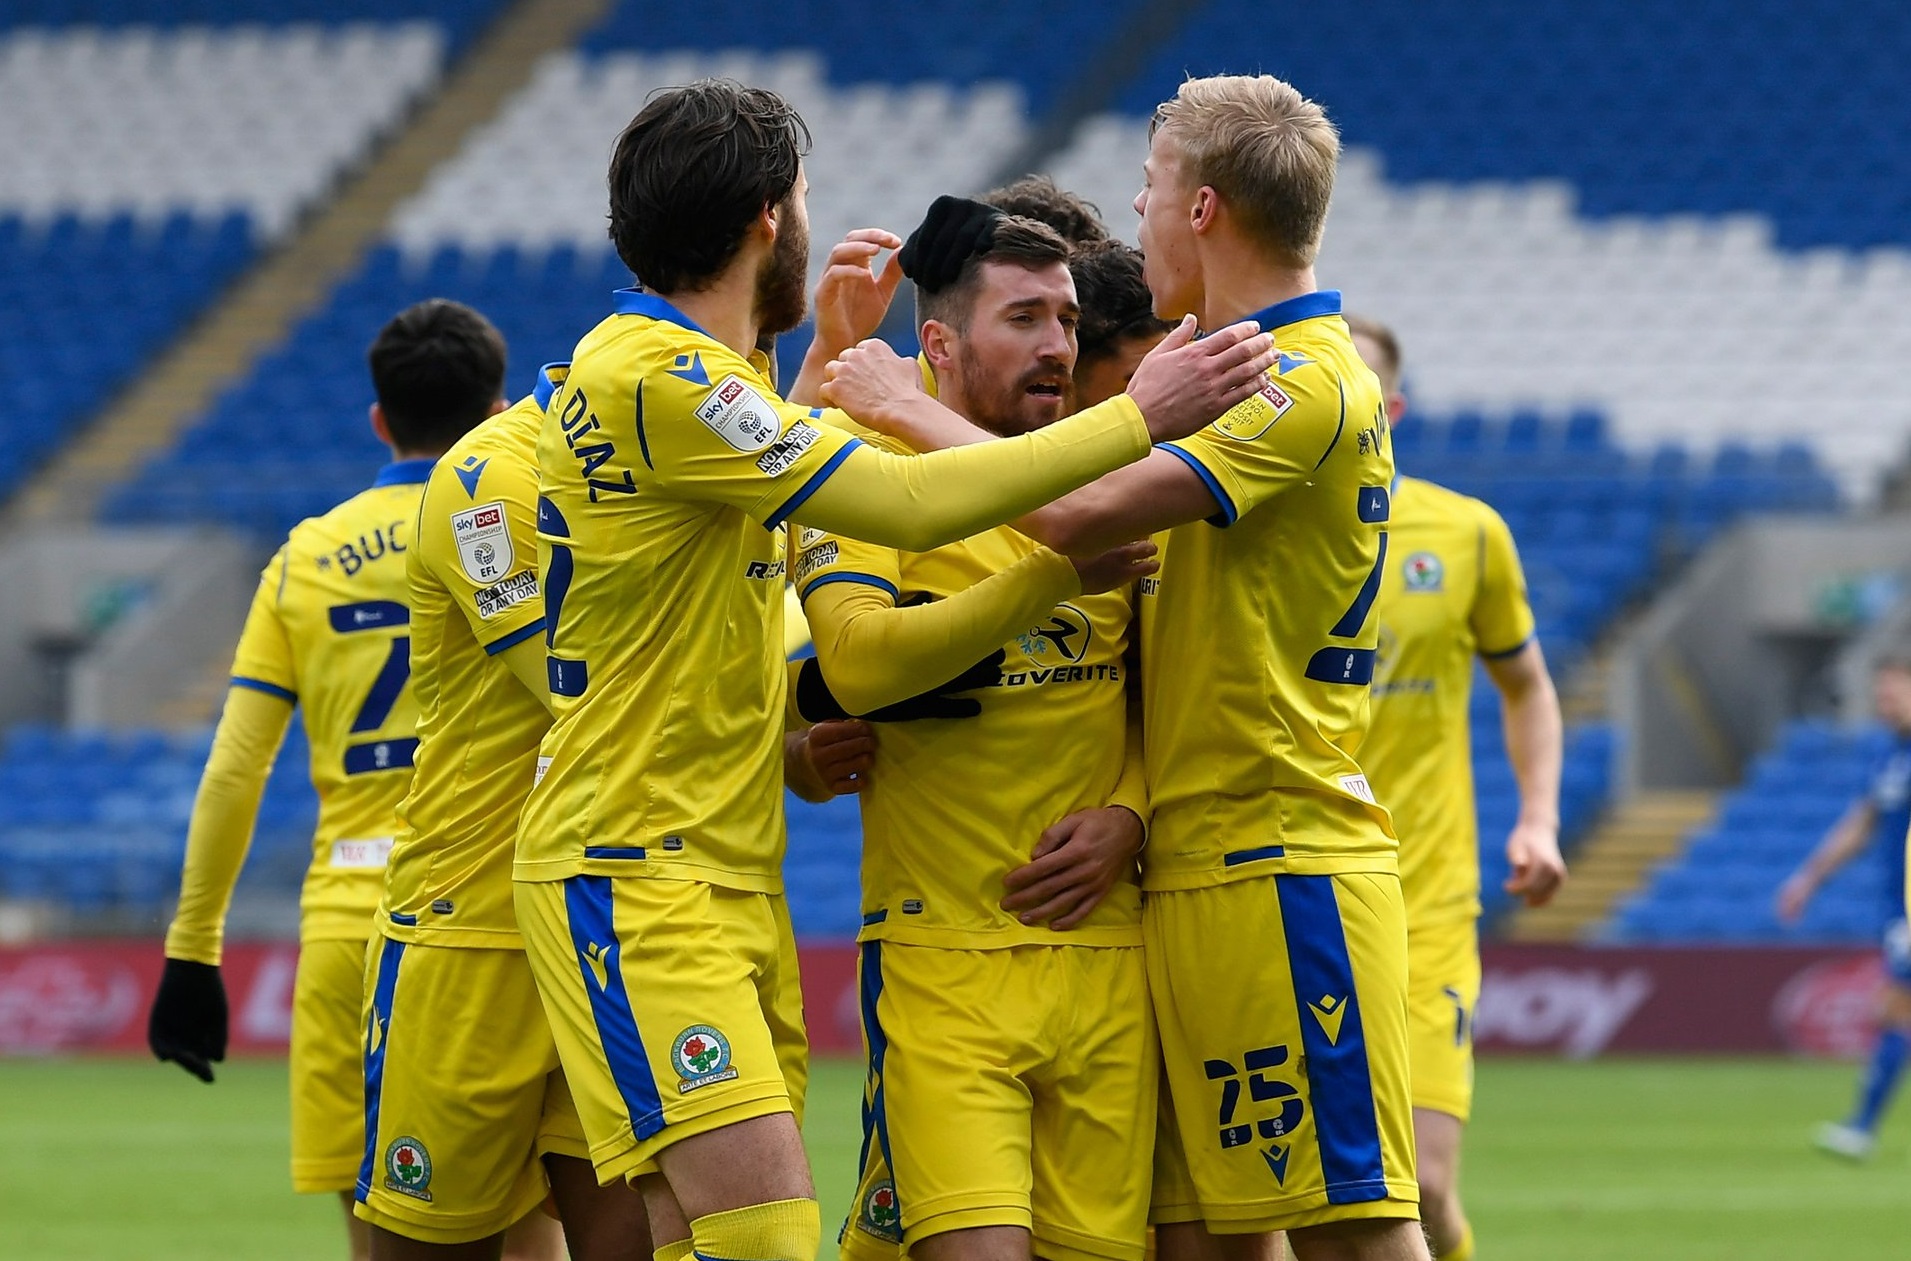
column 145, row 166
column 1721, row 885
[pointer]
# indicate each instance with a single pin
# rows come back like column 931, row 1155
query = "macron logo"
column 598, row 959
column 1329, row 1011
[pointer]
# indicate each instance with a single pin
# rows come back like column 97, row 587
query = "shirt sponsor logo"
column 797, row 439
column 484, row 542
column 815, row 558
column 1255, row 417
column 366, row 854
column 1067, row 634
column 739, row 415
column 513, row 590
column 765, row 569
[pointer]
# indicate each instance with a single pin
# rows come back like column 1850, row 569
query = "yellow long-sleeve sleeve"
column 875, row 654
column 250, row 731
column 919, row 503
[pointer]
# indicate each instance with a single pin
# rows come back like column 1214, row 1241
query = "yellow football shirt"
column 474, row 594
column 329, row 628
column 1452, row 589
column 955, row 805
column 666, row 465
column 1258, row 634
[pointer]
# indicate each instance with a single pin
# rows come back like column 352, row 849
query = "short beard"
column 782, row 284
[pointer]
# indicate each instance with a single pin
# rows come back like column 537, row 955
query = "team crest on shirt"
column 1249, row 420
column 882, row 1212
column 739, row 415
column 1066, row 634
column 701, row 1055
column 408, row 1168
column 1423, row 572
column 484, row 542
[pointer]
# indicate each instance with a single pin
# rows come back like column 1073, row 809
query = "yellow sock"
column 675, row 1250
column 1462, row 1251
column 785, row 1230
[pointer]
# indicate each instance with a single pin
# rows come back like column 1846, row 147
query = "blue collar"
column 637, row 302
column 405, row 472
column 545, row 386
column 1308, row 306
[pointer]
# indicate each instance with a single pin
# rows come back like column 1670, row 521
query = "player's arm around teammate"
column 1238, row 178
column 669, row 397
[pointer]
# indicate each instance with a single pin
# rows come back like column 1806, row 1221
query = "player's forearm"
column 1535, row 744
column 223, row 815
column 874, row 654
column 525, row 659
column 1845, row 841
column 807, row 388
column 921, row 503
column 1131, row 790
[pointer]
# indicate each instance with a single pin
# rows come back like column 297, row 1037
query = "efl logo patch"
column 882, row 1213
column 797, row 439
column 1423, row 572
column 513, row 590
column 484, row 542
column 702, row 1058
column 809, row 536
column 408, row 1168
column 1249, row 420
column 739, row 415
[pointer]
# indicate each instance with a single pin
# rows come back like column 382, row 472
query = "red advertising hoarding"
column 1546, row 1000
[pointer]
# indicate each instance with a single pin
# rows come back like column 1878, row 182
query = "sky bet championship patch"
column 702, row 1058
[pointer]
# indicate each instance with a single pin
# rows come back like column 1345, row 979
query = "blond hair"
column 1266, row 149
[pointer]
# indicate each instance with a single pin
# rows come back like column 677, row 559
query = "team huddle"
column 1150, row 673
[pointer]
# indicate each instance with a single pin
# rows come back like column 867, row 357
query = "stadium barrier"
column 1574, row 1002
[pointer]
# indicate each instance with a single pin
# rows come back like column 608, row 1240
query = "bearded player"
column 651, row 845
column 1010, row 1103
column 1275, row 927
column 1452, row 593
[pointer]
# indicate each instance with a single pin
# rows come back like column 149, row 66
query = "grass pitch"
column 1694, row 1160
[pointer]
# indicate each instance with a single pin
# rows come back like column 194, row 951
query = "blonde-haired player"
column 649, row 889
column 1275, row 929
column 1452, row 592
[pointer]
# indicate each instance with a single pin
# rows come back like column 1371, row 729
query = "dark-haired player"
column 1118, row 326
column 649, row 857
column 329, row 633
column 1276, row 934
column 998, row 1042
column 1040, row 198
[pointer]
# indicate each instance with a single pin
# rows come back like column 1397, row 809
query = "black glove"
column 188, row 1020
column 817, row 703
column 954, row 229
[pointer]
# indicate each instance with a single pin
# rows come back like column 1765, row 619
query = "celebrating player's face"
column 1013, row 365
column 781, row 299
column 1166, row 205
column 1109, row 373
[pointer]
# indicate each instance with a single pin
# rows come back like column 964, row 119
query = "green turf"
column 1693, row 1160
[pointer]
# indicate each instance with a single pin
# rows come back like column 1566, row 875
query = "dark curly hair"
column 691, row 173
column 1039, row 198
column 1115, row 300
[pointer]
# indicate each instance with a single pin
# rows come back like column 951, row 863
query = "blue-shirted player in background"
column 1883, row 815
